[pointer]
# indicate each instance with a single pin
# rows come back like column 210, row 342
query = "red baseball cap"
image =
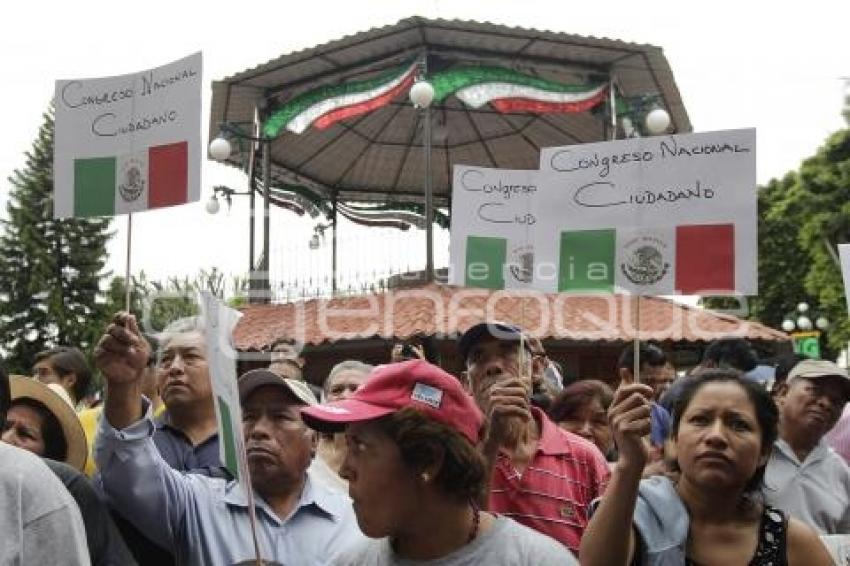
column 392, row 387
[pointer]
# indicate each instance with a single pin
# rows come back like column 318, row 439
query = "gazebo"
column 334, row 131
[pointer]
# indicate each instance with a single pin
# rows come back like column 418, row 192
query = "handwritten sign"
column 493, row 227
column 128, row 143
column 219, row 322
column 662, row 215
column 654, row 216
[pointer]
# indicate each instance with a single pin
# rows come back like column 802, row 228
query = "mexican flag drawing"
column 651, row 216
column 128, row 143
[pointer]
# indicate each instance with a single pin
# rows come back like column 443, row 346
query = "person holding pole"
column 723, row 431
column 539, row 475
column 207, row 521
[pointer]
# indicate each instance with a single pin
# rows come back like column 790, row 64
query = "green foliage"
column 50, row 270
column 158, row 303
column 801, row 219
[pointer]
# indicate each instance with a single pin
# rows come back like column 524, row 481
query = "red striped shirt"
column 553, row 493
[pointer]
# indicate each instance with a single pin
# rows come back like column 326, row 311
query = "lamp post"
column 421, row 94
column 220, row 149
column 805, row 332
column 213, row 206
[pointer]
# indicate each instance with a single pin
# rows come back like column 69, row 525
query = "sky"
column 777, row 67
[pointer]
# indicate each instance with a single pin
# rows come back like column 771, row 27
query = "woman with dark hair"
column 40, row 419
column 582, row 409
column 415, row 476
column 722, row 432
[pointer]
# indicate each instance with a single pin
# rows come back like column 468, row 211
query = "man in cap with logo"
column 206, row 520
column 540, row 475
column 804, row 477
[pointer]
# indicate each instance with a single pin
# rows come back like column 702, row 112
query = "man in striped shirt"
column 540, row 475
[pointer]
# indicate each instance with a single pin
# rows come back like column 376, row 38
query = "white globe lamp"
column 421, row 94
column 804, row 323
column 657, row 121
column 788, row 325
column 213, row 205
column 220, row 148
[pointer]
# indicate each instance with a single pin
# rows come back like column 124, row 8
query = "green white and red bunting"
column 504, row 89
column 510, row 91
column 326, row 106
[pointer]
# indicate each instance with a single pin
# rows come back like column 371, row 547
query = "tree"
column 823, row 196
column 50, row 270
column 157, row 303
column 801, row 219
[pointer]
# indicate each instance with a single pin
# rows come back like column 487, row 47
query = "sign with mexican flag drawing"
column 128, row 143
column 652, row 216
column 493, row 226
column 655, row 216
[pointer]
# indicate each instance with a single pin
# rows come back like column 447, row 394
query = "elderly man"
column 343, row 381
column 804, row 476
column 40, row 522
column 541, row 475
column 206, row 520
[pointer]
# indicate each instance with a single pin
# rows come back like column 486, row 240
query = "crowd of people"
column 404, row 463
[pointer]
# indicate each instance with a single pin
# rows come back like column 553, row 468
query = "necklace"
column 476, row 520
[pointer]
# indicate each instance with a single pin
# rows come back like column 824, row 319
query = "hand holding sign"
column 629, row 418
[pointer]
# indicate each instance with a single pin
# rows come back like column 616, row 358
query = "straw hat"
column 57, row 401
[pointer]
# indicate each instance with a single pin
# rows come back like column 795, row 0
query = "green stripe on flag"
column 485, row 262
column 231, row 459
column 94, row 186
column 586, row 260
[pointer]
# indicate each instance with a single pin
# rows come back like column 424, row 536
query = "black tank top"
column 771, row 549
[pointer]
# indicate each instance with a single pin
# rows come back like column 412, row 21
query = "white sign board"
column 493, row 224
column 128, row 143
column 652, row 216
column 219, row 321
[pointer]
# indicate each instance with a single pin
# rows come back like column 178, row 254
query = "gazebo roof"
column 373, row 157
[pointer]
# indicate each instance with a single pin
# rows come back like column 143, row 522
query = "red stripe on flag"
column 705, row 258
column 334, row 116
column 168, row 174
column 506, row 105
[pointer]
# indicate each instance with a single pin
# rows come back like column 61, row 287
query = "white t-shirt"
column 39, row 520
column 508, row 544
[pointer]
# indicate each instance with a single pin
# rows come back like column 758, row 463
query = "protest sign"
column 128, row 143
column 219, row 322
column 493, row 227
column 844, row 254
column 661, row 215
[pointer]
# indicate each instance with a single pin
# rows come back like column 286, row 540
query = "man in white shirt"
column 804, row 477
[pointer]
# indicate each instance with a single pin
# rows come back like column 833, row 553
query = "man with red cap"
column 540, row 475
column 415, row 475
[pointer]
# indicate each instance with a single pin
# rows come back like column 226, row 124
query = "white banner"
column 219, row 322
column 652, row 216
column 493, row 224
column 844, row 253
column 128, row 143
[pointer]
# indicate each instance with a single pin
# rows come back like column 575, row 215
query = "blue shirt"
column 179, row 452
column 205, row 520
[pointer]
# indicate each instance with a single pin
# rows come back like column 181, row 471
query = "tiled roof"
column 447, row 311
